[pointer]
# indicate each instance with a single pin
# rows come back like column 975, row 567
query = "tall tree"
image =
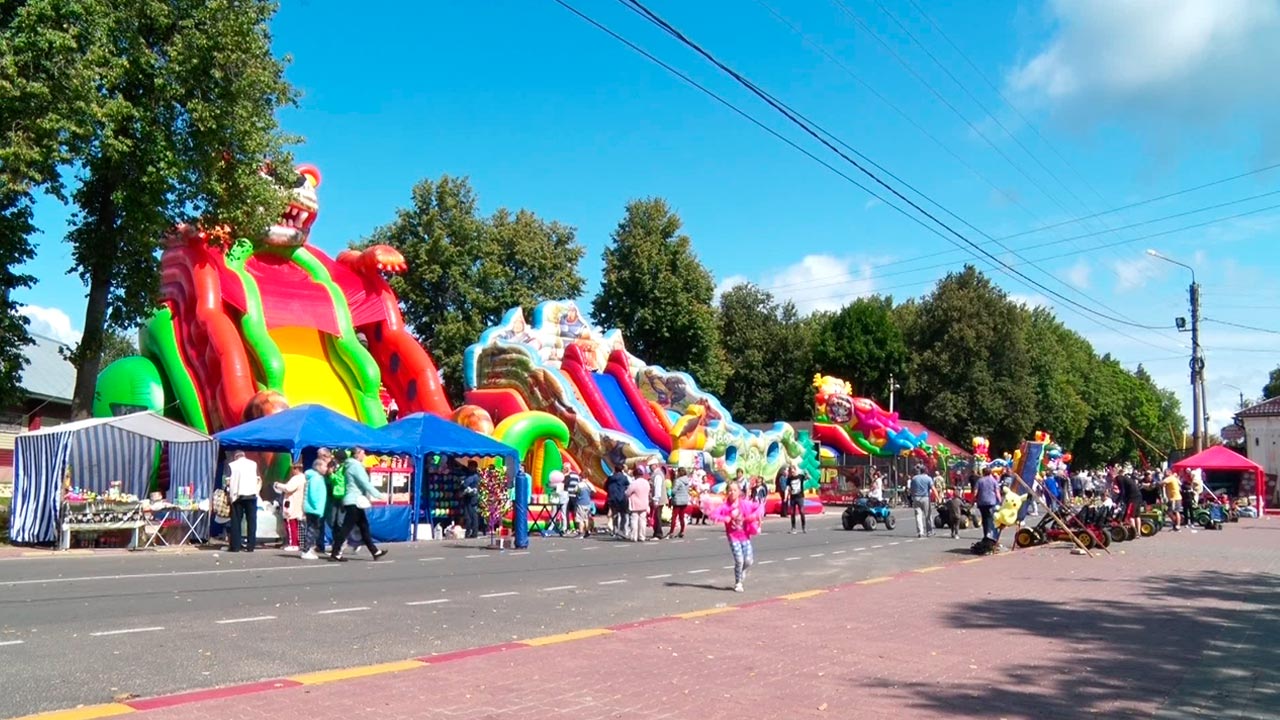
column 1060, row 362
column 767, row 348
column 177, row 120
column 466, row 270
column 863, row 344
column 46, row 88
column 1272, row 388
column 969, row 371
column 657, row 292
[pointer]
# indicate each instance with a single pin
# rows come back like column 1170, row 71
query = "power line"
column 818, row 134
column 1242, row 327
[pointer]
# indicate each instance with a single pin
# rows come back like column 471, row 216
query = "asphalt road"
column 80, row 630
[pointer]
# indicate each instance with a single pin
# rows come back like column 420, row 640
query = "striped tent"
column 100, row 451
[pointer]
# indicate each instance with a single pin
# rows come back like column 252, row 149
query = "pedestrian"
column 795, row 497
column 586, row 506
column 638, row 505
column 680, row 500
column 337, row 482
column 355, row 501
column 243, row 487
column 313, row 507
column 292, row 491
column 987, row 497
column 955, row 510
column 780, row 486
column 1130, row 499
column 658, row 498
column 741, row 518
column 919, row 488
column 1173, row 497
column 761, row 492
column 560, row 497
column 740, row 479
column 615, row 489
column 571, row 482
column 471, row 501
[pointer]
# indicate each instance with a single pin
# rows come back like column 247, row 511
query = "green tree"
column 861, row 343
column 173, row 124
column 45, row 88
column 767, row 348
column 657, row 292
column 1272, row 388
column 1060, row 360
column 970, row 373
column 466, row 270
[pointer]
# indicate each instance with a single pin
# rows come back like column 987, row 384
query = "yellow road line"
column 931, row 568
column 87, row 712
column 874, row 581
column 971, row 560
column 328, row 676
column 802, row 595
column 705, row 613
column 566, row 637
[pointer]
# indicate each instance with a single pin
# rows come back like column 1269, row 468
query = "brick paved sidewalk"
column 1179, row 625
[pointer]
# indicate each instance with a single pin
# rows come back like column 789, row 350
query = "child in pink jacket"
column 741, row 518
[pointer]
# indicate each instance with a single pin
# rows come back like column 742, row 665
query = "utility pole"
column 892, row 387
column 1199, row 408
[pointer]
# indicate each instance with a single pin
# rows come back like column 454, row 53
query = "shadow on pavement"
column 703, row 586
column 1220, row 657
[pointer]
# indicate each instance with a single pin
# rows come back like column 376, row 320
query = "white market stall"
column 109, row 458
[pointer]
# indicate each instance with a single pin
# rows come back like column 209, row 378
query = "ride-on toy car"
column 867, row 513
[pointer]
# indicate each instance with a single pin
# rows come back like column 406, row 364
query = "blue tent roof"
column 422, row 433
column 304, row 427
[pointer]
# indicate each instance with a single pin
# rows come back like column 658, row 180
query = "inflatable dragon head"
column 295, row 223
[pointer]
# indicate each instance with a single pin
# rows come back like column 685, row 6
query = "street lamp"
column 1233, row 387
column 1199, row 423
column 893, row 386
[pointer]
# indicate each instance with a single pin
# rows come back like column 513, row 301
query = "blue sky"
column 1116, row 102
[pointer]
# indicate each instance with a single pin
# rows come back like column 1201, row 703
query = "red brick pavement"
column 1172, row 626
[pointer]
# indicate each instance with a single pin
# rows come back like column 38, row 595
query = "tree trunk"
column 88, row 355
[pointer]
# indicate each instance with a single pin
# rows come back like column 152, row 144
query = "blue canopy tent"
column 428, row 434
column 306, row 428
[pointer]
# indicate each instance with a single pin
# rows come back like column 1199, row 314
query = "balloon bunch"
column 981, row 449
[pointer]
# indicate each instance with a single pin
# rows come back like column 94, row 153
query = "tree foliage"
column 167, row 111
column 767, row 349
column 657, row 292
column 861, row 343
column 1272, row 388
column 465, row 270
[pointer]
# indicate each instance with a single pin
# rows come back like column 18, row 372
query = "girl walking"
column 291, row 502
column 741, row 518
column 638, row 504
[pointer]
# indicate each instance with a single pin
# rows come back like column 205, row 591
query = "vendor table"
column 99, row 516
column 193, row 520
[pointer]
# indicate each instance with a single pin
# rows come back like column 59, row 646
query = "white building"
column 1261, row 423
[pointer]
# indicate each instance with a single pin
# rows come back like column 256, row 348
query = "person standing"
column 638, row 505
column 987, row 497
column 741, row 518
column 918, row 488
column 680, row 500
column 355, row 502
column 291, row 492
column 794, row 500
column 471, row 500
column 1130, row 499
column 560, row 498
column 571, row 482
column 243, row 486
column 337, row 488
column 616, row 504
column 780, row 486
column 877, row 486
column 313, row 507
column 658, row 499
column 1173, row 497
column 586, row 507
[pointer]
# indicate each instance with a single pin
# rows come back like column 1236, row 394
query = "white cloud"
column 728, row 284
column 1167, row 63
column 871, row 202
column 1031, row 300
column 822, row 282
column 1078, row 274
column 1136, row 273
column 50, row 322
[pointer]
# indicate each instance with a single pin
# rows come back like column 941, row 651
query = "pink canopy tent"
column 1221, row 458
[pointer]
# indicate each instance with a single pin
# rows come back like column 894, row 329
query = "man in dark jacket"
column 615, row 489
column 471, row 500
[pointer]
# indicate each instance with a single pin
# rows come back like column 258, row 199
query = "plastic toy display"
column 857, row 425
